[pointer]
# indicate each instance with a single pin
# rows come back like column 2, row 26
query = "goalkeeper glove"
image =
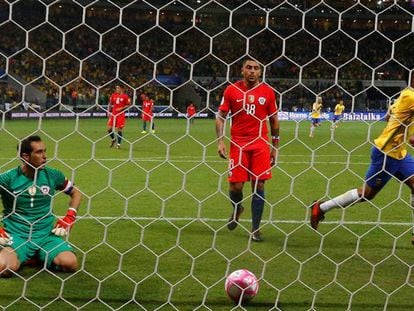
column 64, row 225
column 4, row 237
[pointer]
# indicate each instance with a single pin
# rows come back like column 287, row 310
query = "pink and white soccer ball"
column 241, row 283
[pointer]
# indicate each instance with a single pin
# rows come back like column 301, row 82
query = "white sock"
column 342, row 200
column 311, row 130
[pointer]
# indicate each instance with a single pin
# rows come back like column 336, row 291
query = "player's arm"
column 220, row 123
column 110, row 105
column 64, row 225
column 274, row 131
column 388, row 114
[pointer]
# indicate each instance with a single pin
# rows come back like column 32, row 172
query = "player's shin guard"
column 257, row 209
column 341, row 201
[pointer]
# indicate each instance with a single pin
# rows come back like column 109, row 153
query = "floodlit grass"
column 152, row 229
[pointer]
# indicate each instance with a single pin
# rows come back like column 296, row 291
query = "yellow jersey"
column 339, row 109
column 316, row 110
column 400, row 125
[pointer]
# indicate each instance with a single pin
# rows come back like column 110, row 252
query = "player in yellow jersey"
column 316, row 115
column 338, row 111
column 389, row 158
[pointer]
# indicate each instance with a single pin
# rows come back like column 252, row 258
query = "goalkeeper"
column 30, row 229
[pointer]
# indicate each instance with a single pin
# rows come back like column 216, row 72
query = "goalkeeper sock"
column 257, row 209
column 119, row 137
column 236, row 197
column 342, row 200
column 144, row 126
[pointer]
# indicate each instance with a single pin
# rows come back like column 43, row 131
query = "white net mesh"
column 152, row 232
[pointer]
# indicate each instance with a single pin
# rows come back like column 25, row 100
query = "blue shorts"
column 316, row 120
column 337, row 117
column 379, row 174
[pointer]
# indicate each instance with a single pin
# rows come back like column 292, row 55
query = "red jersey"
column 250, row 109
column 191, row 110
column 147, row 109
column 118, row 102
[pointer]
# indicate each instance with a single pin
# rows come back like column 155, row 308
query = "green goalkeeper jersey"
column 27, row 202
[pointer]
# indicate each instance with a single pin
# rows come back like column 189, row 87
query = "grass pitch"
column 152, row 228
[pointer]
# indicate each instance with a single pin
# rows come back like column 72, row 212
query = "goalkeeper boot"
column 412, row 239
column 234, row 218
column 112, row 143
column 317, row 214
column 256, row 236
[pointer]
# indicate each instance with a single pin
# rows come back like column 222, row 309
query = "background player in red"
column 147, row 114
column 191, row 111
column 251, row 103
column 118, row 103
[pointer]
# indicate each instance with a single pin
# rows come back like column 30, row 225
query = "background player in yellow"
column 338, row 111
column 389, row 158
column 316, row 115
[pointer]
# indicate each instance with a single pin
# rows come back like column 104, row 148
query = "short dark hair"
column 26, row 144
column 249, row 58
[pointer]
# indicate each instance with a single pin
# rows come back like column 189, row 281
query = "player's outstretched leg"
column 317, row 214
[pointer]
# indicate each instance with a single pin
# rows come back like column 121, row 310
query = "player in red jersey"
column 118, row 103
column 251, row 103
column 147, row 114
column 191, row 111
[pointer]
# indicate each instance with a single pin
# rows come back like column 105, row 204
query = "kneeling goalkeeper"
column 30, row 229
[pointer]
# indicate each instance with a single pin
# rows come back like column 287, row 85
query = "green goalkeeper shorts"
column 45, row 248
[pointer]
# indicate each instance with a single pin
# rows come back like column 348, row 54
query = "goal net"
column 151, row 232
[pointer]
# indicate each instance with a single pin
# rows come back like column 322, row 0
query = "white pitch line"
column 372, row 223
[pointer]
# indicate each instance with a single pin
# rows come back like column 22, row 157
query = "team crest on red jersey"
column 262, row 100
column 250, row 99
